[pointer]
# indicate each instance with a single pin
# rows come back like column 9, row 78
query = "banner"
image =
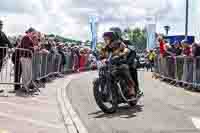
column 151, row 36
column 93, row 26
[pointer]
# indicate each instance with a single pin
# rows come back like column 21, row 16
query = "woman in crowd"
column 82, row 60
column 75, row 59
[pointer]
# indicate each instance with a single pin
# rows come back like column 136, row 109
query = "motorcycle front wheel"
column 102, row 98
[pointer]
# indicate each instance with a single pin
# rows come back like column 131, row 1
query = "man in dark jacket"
column 26, row 43
column 4, row 43
column 133, row 66
column 196, row 50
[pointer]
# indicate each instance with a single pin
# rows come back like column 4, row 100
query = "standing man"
column 151, row 58
column 4, row 43
column 22, row 59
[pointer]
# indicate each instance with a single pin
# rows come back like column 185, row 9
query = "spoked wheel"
column 105, row 97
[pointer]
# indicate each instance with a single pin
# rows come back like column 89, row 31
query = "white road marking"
column 29, row 120
column 81, row 128
column 196, row 122
column 26, row 107
column 70, row 116
column 66, row 117
column 43, row 101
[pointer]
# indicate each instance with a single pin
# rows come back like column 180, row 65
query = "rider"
column 132, row 61
column 119, row 50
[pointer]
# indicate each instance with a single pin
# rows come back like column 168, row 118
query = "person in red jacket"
column 162, row 49
column 162, row 46
column 82, row 59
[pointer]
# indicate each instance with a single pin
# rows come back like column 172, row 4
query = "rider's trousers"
column 123, row 72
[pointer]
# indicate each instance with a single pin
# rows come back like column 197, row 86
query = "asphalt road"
column 164, row 108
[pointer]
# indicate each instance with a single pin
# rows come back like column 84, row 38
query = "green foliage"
column 137, row 37
column 63, row 39
column 117, row 31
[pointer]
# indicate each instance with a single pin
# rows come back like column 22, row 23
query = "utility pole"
column 186, row 19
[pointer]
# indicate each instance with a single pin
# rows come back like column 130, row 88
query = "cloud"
column 71, row 17
column 20, row 6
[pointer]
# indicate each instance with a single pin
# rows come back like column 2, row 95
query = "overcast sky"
column 70, row 18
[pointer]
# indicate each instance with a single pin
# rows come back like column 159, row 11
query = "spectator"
column 151, row 58
column 92, row 60
column 4, row 42
column 186, row 48
column 178, row 48
column 188, row 64
column 36, row 58
column 61, row 53
column 82, row 59
column 161, row 46
column 195, row 50
column 75, row 59
column 44, row 51
column 22, row 60
column 196, row 53
column 157, row 51
column 172, row 49
column 169, row 50
column 17, row 43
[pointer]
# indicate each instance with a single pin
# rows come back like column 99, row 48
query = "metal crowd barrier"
column 24, row 67
column 68, row 62
column 179, row 69
column 16, row 67
column 45, row 65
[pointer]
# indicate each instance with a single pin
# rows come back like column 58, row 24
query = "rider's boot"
column 132, row 92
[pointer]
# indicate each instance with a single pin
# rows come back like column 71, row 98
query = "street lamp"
column 167, row 28
column 186, row 19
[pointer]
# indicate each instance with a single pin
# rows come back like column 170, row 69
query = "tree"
column 117, row 30
column 51, row 35
column 137, row 37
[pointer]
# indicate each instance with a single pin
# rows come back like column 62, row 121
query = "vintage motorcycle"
column 110, row 91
